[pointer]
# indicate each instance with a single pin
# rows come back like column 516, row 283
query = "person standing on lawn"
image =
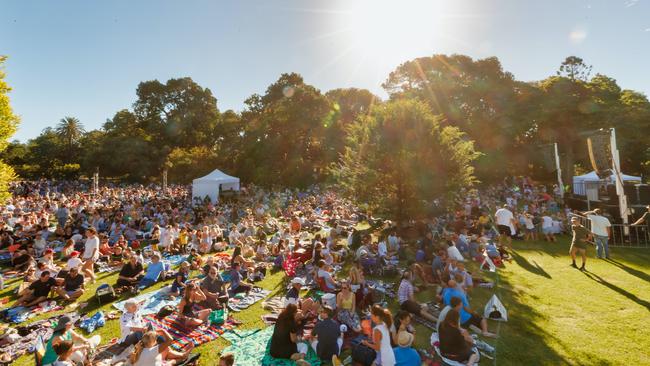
column 601, row 229
column 579, row 242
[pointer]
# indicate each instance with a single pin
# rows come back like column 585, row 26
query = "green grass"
column 558, row 315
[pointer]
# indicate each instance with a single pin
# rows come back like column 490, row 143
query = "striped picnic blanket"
column 182, row 335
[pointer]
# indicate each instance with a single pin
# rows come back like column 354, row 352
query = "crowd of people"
column 56, row 235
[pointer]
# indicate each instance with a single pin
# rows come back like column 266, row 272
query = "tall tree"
column 8, row 125
column 574, row 68
column 400, row 159
column 70, row 130
column 477, row 96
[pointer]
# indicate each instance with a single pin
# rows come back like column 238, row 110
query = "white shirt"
column 381, row 249
column 150, row 357
column 599, row 225
column 128, row 320
column 454, row 253
column 504, row 217
column 92, row 243
column 547, row 222
column 73, row 263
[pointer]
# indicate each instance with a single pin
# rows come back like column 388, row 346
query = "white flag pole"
column 559, row 171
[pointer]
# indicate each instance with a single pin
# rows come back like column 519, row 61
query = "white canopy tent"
column 212, row 184
column 588, row 184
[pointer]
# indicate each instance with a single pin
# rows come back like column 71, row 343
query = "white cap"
column 298, row 281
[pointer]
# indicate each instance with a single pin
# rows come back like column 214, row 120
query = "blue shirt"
column 448, row 293
column 153, row 271
column 406, row 356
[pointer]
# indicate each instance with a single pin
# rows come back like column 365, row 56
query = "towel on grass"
column 238, row 303
column 151, row 302
column 252, row 348
column 184, row 336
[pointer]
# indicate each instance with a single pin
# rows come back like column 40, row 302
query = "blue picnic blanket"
column 151, row 302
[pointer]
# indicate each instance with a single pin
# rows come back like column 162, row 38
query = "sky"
column 85, row 58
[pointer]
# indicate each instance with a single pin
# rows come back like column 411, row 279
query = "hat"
column 48, row 251
column 63, row 322
column 298, row 281
column 74, row 254
column 404, row 339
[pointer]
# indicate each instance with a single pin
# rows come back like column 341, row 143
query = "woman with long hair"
column 63, row 332
column 193, row 295
column 346, row 307
column 455, row 342
column 284, row 342
column 149, row 351
column 381, row 336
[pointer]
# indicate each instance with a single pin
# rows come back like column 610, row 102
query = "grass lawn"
column 557, row 314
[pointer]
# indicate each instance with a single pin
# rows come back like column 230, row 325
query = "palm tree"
column 70, row 131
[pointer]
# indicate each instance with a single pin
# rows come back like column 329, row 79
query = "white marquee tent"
column 588, row 184
column 212, row 184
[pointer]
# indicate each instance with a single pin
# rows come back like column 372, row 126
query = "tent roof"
column 217, row 176
column 592, row 177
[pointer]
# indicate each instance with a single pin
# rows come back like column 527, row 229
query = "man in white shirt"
column 132, row 326
column 601, row 228
column 506, row 224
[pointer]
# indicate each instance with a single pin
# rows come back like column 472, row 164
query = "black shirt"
column 41, row 288
column 452, row 343
column 129, row 270
column 328, row 332
column 73, row 283
column 281, row 344
column 292, row 294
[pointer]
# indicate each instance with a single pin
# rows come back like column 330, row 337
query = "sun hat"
column 404, row 339
column 63, row 322
column 298, row 281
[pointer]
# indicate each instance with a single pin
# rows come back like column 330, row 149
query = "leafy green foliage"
column 8, row 125
column 399, row 159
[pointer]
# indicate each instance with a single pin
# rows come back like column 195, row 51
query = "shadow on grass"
column 533, row 268
column 634, row 272
column 621, row 291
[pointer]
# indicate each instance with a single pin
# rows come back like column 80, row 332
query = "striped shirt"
column 405, row 291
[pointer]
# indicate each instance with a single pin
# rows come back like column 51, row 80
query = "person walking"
column 601, row 229
column 579, row 242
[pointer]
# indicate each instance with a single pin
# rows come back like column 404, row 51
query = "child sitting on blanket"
column 178, row 286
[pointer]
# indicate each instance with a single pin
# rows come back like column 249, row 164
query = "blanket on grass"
column 151, row 302
column 240, row 301
column 183, row 336
column 252, row 348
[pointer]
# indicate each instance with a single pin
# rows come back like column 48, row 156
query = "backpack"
column 105, row 293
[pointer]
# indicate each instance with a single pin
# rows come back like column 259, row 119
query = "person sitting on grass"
column 346, row 307
column 214, row 289
column 72, row 285
column 236, row 281
column 325, row 278
column 63, row 332
column 406, row 298
column 284, row 342
column 455, row 342
column 37, row 292
column 467, row 316
column 405, row 355
column 193, row 296
column 381, row 336
column 154, row 270
column 327, row 336
column 131, row 273
column 178, row 286
column 132, row 326
column 64, row 351
column 195, row 259
column 149, row 352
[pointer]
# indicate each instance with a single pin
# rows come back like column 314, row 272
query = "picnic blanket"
column 240, row 302
column 183, row 336
column 151, row 302
column 21, row 314
column 252, row 348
